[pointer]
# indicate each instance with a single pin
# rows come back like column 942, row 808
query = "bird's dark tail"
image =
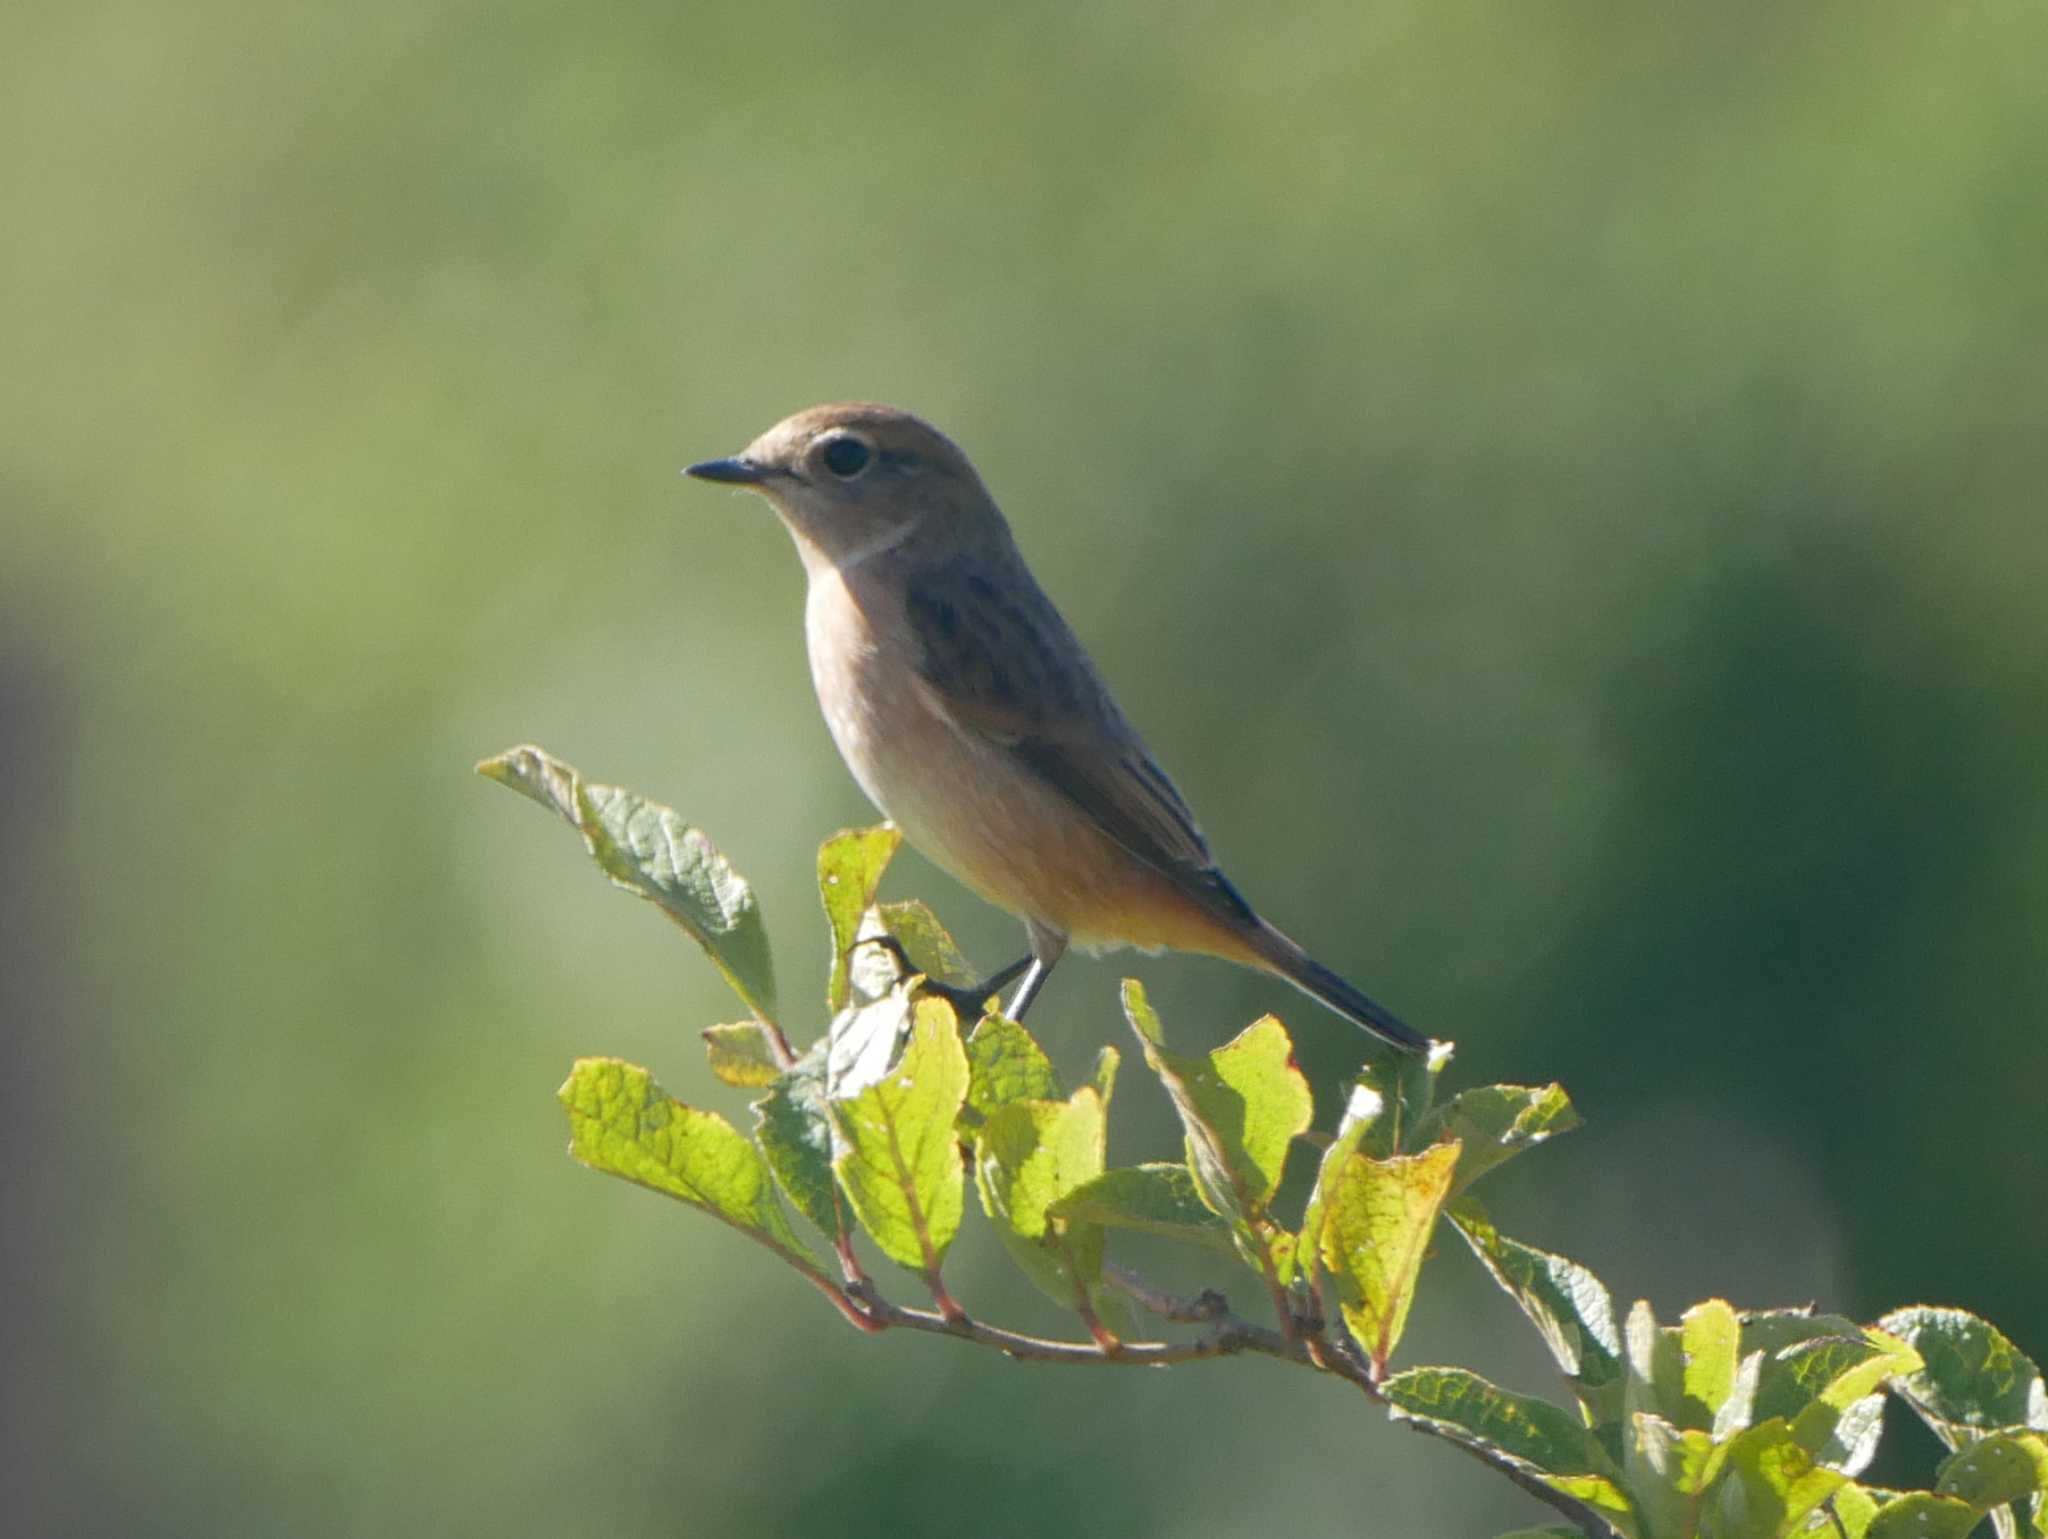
column 1289, row 961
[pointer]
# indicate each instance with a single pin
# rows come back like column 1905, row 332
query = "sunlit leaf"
column 647, row 849
column 1923, row 1515
column 1570, row 1308
column 1406, row 1085
column 1154, row 1199
column 623, row 1123
column 1031, row 1154
column 1655, row 1361
column 1378, row 1218
column 1994, row 1470
column 1361, row 1110
column 1843, row 1438
column 1240, row 1106
column 1463, row 1405
column 1850, row 1511
column 1771, row 1484
column 742, row 1055
column 850, row 867
column 1497, row 1122
column 1667, row 1469
column 1973, row 1380
column 1709, row 1337
column 928, row 944
column 1005, row 1064
column 900, row 1165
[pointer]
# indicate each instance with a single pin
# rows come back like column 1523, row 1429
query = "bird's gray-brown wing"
column 997, row 661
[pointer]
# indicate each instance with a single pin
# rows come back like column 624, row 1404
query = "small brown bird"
column 972, row 717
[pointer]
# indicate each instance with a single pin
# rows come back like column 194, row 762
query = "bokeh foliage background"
column 1560, row 485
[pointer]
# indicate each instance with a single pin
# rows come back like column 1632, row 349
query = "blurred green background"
column 1560, row 485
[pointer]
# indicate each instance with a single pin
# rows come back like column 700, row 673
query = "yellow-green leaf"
column 1240, row 1107
column 1030, row 1154
column 647, row 849
column 900, row 1167
column 1378, row 1218
column 1497, row 1122
column 623, row 1123
column 1154, row 1199
column 1995, row 1470
column 1667, row 1469
column 850, row 867
column 1004, row 1064
column 928, row 944
column 1923, row 1515
column 1361, row 1109
column 742, row 1055
column 1709, row 1342
column 1770, row 1485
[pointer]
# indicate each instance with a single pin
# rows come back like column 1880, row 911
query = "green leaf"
column 1540, row 1436
column 1774, row 1330
column 742, row 1055
column 1241, row 1106
column 1821, row 1373
column 624, row 1124
column 1820, row 1360
column 794, row 1130
column 1923, row 1515
column 1995, row 1470
column 1107, row 1060
column 1852, row 1508
column 1406, row 1085
column 1770, row 1485
column 1548, row 1531
column 1843, row 1438
column 1376, row 1227
column 647, row 849
column 900, row 1167
column 1532, row 1435
column 1030, row 1154
column 1568, row 1305
column 850, row 867
column 1497, row 1122
column 1708, row 1340
column 928, row 944
column 1005, row 1063
column 1667, row 1468
column 1154, row 1199
column 1656, row 1367
column 1974, row 1380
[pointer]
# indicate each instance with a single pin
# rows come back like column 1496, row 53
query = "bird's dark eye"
column 846, row 457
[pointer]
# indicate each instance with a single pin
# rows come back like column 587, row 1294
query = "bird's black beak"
column 735, row 471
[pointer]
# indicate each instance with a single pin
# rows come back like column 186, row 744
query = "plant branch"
column 1227, row 1336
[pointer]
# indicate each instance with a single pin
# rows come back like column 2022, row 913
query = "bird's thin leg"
column 967, row 1003
column 1034, row 980
column 1047, row 947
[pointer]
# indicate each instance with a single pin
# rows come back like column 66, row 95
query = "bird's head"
column 854, row 480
